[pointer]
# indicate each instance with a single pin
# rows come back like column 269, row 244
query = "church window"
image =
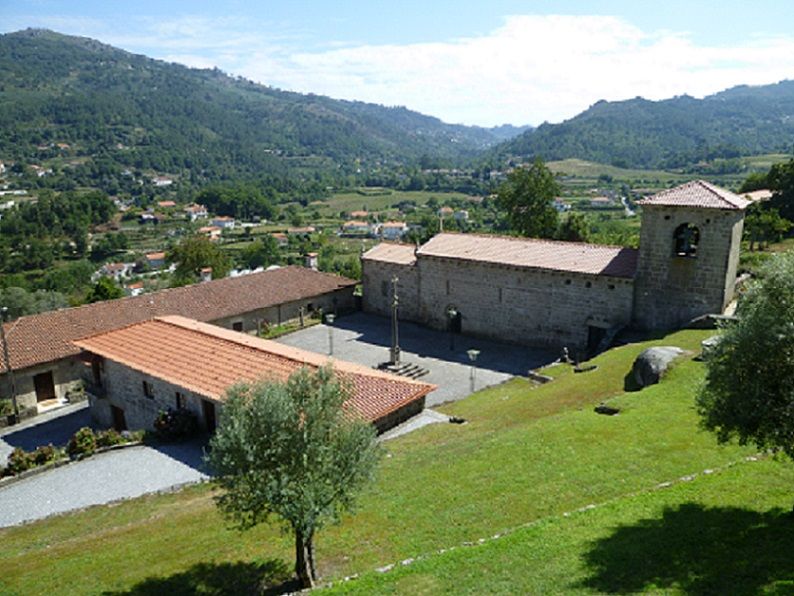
column 685, row 240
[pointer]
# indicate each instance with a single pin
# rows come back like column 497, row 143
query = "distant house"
column 302, row 231
column 145, row 218
column 461, row 215
column 155, row 260
column 281, row 238
column 212, row 232
column 445, row 211
column 134, row 289
column 356, row 227
column 196, row 211
column 359, row 215
column 166, row 204
column 117, row 271
column 393, row 230
column 561, row 206
column 161, row 181
column 223, row 222
column 758, row 195
column 150, row 366
column 599, row 202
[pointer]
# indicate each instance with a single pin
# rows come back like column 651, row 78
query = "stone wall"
column 525, row 306
column 376, row 279
column 66, row 375
column 124, row 389
column 671, row 290
column 340, row 301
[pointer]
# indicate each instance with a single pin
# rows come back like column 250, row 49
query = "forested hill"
column 670, row 133
column 125, row 110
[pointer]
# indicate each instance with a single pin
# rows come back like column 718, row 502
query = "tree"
column 574, row 228
column 293, row 450
column 104, row 289
column 195, row 253
column 261, row 252
column 749, row 391
column 527, row 198
column 763, row 224
column 781, row 182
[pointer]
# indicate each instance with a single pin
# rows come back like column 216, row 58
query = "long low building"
column 570, row 294
column 174, row 362
column 44, row 359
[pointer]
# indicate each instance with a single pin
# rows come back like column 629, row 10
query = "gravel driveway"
column 110, row 476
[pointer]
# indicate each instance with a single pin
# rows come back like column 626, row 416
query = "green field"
column 527, row 455
column 353, row 201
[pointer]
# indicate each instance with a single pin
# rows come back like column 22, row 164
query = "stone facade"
column 671, row 289
column 66, row 380
column 340, row 301
column 123, row 388
column 538, row 307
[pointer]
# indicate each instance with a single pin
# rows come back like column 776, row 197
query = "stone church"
column 543, row 292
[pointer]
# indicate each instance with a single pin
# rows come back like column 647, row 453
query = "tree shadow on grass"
column 217, row 579
column 697, row 550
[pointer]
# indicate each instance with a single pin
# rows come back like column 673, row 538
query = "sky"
column 464, row 61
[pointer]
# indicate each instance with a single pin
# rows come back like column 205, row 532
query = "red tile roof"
column 46, row 337
column 569, row 257
column 697, row 193
column 389, row 252
column 170, row 348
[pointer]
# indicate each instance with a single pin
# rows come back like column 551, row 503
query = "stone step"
column 404, row 369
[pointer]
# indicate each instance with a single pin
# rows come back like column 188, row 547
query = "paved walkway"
column 365, row 339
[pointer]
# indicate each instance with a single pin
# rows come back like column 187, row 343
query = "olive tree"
column 293, row 450
column 749, row 389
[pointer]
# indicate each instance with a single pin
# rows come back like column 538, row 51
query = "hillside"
column 676, row 132
column 127, row 111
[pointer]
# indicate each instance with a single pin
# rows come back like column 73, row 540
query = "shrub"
column 6, row 407
column 45, row 454
column 82, row 443
column 19, row 461
column 172, row 425
column 109, row 438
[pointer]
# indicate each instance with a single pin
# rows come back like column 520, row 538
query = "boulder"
column 652, row 363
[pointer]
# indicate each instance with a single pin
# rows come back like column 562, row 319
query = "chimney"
column 206, row 274
column 310, row 260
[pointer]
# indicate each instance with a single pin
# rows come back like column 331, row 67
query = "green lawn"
column 527, row 454
column 705, row 536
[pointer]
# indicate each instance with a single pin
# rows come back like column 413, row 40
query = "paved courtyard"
column 366, row 338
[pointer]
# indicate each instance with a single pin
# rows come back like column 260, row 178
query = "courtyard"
column 366, row 338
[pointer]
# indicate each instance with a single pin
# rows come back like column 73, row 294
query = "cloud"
column 531, row 69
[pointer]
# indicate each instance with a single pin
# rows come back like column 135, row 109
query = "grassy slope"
column 526, row 453
column 704, row 536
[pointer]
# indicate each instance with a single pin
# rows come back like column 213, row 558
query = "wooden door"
column 45, row 386
column 119, row 422
column 209, row 415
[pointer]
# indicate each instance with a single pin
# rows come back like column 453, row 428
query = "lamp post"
column 451, row 314
column 394, row 352
column 473, row 358
column 329, row 320
column 7, row 361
